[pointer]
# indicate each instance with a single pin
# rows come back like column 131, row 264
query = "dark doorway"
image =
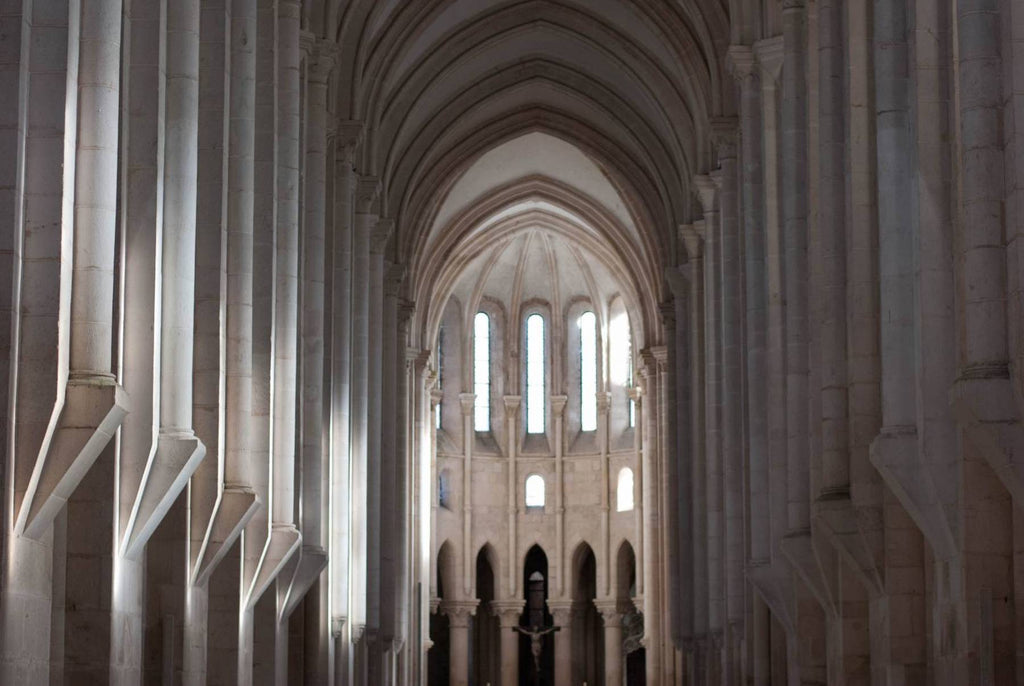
column 587, row 627
column 485, row 660
column 535, row 614
column 438, row 657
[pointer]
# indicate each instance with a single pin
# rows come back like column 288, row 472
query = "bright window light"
column 624, row 491
column 535, row 374
column 535, row 490
column 482, row 372
column 588, row 371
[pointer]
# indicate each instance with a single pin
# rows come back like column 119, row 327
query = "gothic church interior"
column 512, row 342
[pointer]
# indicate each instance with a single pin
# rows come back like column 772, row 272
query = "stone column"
column 694, row 268
column 730, row 388
column 178, row 449
column 365, row 220
column 604, row 403
column 459, row 612
column 374, row 472
column 557, row 411
column 744, row 70
column 708, row 190
column 508, row 612
column 612, row 618
column 512, row 403
column 467, row 402
column 769, row 58
column 651, row 523
column 794, row 231
column 561, row 613
column 349, row 136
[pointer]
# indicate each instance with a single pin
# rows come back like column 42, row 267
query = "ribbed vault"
column 438, row 84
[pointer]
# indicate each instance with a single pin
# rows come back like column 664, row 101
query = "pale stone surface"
column 242, row 246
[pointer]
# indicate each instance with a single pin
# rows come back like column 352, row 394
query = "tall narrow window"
column 588, row 371
column 440, row 375
column 621, row 367
column 535, row 374
column 482, row 372
column 535, row 491
column 624, row 491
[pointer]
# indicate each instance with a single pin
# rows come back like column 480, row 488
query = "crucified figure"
column 535, row 634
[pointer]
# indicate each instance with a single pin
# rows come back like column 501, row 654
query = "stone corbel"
column 93, row 408
column 350, row 133
column 808, row 554
column 692, row 241
column 741, row 62
column 987, row 408
column 895, row 453
column 282, row 544
column 368, row 195
column 558, row 404
column 725, row 136
column 380, row 237
column 338, row 625
column 707, row 191
column 312, row 560
column 769, row 54
column 323, row 55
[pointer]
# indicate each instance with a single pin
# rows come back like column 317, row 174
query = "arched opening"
column 535, row 615
column 633, row 621
column 438, row 656
column 624, row 490
column 444, row 489
column 587, row 626
column 535, row 496
column 485, row 663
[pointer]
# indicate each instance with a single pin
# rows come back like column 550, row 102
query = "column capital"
column 436, row 394
column 558, row 404
column 667, row 309
column 768, row 52
column 561, row 611
column 691, row 240
column 610, row 611
column 459, row 611
column 724, row 134
column 323, row 54
column 367, row 192
column 604, row 401
column 507, row 612
column 468, row 402
column 512, row 403
column 741, row 62
column 706, row 191
column 338, row 625
column 381, row 235
column 677, row 280
column 349, row 134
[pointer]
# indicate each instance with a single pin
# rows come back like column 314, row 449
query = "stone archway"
column 587, row 629
column 536, row 614
column 485, row 654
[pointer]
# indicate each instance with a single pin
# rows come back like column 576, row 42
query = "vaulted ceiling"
column 623, row 91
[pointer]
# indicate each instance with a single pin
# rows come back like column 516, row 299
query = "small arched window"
column 444, row 489
column 482, row 372
column 588, row 371
column 535, row 491
column 624, row 491
column 535, row 374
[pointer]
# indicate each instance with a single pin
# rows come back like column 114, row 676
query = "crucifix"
column 536, row 634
